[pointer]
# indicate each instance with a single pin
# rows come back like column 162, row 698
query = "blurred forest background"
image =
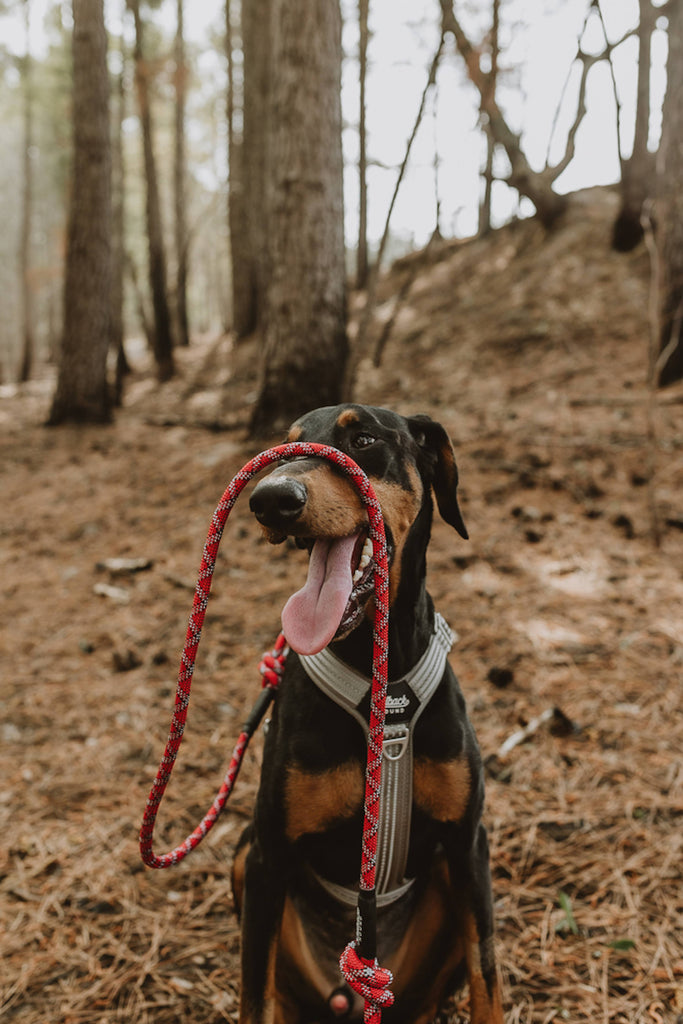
column 214, row 203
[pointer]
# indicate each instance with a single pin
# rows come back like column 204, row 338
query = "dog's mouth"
column 341, row 579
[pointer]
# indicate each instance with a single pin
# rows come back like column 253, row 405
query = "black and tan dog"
column 298, row 862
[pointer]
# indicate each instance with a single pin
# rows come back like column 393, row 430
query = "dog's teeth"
column 357, row 575
column 367, row 549
column 365, row 560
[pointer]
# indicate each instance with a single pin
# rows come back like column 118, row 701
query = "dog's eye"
column 363, row 440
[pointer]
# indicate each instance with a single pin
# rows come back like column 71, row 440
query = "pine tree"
column 305, row 345
column 81, row 395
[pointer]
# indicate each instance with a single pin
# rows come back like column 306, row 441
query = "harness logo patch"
column 401, row 704
column 396, row 705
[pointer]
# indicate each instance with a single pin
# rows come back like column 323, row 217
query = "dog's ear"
column 439, row 457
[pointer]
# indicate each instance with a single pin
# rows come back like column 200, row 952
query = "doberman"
column 298, row 861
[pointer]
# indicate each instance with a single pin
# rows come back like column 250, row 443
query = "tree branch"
column 587, row 62
column 565, row 86
column 535, row 186
column 613, row 76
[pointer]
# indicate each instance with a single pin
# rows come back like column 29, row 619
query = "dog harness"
column 406, row 698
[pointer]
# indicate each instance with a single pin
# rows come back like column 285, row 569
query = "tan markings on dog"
column 294, row 433
column 485, row 1001
column 442, row 788
column 238, row 877
column 270, row 993
column 347, row 418
column 334, row 507
column 399, row 509
column 433, row 927
column 287, row 1010
column 316, row 799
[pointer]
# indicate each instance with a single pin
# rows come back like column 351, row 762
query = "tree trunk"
column 117, row 233
column 81, row 394
column 248, row 161
column 362, row 255
column 179, row 176
column 237, row 229
column 163, row 338
column 670, row 208
column 27, row 335
column 638, row 171
column 140, row 303
column 305, row 344
column 236, row 226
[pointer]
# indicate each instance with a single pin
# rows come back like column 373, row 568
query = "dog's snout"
column 278, row 501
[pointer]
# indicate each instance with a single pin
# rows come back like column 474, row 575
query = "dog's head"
column 311, row 500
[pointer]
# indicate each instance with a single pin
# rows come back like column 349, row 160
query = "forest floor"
column 533, row 352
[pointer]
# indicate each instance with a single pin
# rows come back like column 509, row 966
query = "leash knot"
column 368, row 979
column 272, row 664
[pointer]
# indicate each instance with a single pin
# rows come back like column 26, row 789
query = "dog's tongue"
column 311, row 617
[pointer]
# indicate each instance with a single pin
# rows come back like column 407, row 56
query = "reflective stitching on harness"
column 406, row 697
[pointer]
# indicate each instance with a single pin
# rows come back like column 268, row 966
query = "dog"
column 296, row 867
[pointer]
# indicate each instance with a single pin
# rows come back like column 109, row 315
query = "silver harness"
column 406, row 698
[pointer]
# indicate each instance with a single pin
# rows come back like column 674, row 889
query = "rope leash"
column 358, row 961
column 271, row 668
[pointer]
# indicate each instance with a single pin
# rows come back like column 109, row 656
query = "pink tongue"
column 311, row 617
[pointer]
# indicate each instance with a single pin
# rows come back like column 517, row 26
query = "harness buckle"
column 396, row 741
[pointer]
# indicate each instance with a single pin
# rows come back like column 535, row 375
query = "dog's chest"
column 313, row 800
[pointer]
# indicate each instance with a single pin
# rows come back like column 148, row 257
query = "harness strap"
column 406, row 698
column 349, row 897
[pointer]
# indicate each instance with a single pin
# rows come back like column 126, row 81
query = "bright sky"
column 538, row 51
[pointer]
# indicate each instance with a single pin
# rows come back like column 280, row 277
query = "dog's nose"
column 278, row 501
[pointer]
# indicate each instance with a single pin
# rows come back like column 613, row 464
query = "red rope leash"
column 271, row 668
column 358, row 962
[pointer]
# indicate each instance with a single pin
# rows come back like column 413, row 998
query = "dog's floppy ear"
column 435, row 444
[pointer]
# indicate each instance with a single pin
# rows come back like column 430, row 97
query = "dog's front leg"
column 264, row 894
column 475, row 902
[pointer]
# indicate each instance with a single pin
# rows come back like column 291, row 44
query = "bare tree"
column 81, row 394
column 179, row 176
column 248, row 138
column 637, row 183
column 535, row 185
column 305, row 344
column 370, row 300
column 491, row 87
column 362, row 254
column 27, row 332
column 239, row 271
column 118, row 228
column 669, row 366
column 163, row 337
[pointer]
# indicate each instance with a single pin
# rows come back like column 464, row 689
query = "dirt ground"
column 532, row 351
